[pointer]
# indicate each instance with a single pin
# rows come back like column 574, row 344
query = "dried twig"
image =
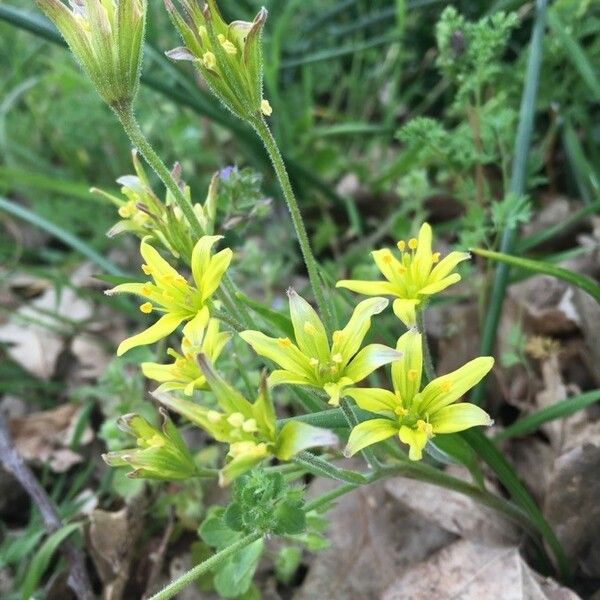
column 9, row 458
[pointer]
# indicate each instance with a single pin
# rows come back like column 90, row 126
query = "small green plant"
column 187, row 292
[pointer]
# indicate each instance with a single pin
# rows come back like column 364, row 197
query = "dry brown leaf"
column 454, row 512
column 43, row 437
column 474, row 571
column 372, row 539
column 572, row 505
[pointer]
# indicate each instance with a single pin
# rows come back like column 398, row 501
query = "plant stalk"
column 210, row 563
column 264, row 133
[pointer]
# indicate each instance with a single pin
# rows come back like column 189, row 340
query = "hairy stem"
column 312, row 267
column 210, row 563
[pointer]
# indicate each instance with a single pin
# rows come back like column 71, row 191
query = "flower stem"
column 140, row 141
column 264, row 133
column 427, row 360
column 210, row 563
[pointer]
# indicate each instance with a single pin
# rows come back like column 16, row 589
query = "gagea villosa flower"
column 417, row 274
column 169, row 294
column 312, row 360
column 416, row 415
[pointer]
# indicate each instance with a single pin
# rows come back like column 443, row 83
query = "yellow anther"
column 401, row 245
column 387, row 259
column 227, row 45
column 284, row 342
column 309, row 328
column 236, row 419
column 337, row 358
column 146, row 308
column 412, row 374
column 446, row 386
column 156, row 441
column 412, row 243
column 146, row 289
column 239, row 448
column 337, row 337
column 313, row 362
column 126, row 210
column 266, row 108
column 213, row 416
column 424, row 427
column 401, row 411
column 435, row 257
column 147, row 269
column 189, row 356
column 209, row 60
column 402, row 269
column 249, row 426
column 179, row 362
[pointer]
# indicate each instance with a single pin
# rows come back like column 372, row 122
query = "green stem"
column 268, row 140
column 427, row 360
column 214, row 561
column 140, row 141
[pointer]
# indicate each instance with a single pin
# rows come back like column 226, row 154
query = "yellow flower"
column 417, row 274
column 169, row 293
column 417, row 415
column 250, row 428
column 200, row 335
column 312, row 360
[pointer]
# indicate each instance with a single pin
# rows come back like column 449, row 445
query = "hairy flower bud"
column 228, row 56
column 106, row 37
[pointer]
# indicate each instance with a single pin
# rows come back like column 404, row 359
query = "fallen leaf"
column 43, row 437
column 474, row 571
column 372, row 538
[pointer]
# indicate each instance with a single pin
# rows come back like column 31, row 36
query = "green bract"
column 106, row 37
column 228, row 56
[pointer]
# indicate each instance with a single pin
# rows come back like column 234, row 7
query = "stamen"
column 147, row 269
column 313, row 362
column 401, row 245
column 435, row 257
column 249, row 426
column 236, row 419
column 209, row 60
column 387, row 259
column 156, row 441
column 213, row 416
column 401, row 411
column 425, row 427
column 146, row 289
column 227, row 45
column 126, row 210
column 402, row 269
column 284, row 342
column 266, row 108
column 337, row 358
column 146, row 308
column 412, row 243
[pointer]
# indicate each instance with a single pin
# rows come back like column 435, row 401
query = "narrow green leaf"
column 544, row 268
column 559, row 410
column 42, row 558
column 317, row 466
column 277, row 319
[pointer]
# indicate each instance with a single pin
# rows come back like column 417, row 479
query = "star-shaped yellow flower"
column 413, row 414
column 169, row 293
column 312, row 360
column 417, row 274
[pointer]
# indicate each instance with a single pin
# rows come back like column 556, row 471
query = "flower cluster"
column 106, row 37
column 227, row 56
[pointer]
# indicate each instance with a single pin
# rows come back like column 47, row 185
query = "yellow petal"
column 194, row 329
column 283, row 352
column 406, row 372
column 217, row 266
column 281, row 376
column 157, row 372
column 388, row 264
column 296, row 436
column 159, row 267
column 162, row 328
column 368, row 359
column 405, row 311
column 374, row 400
column 368, row 288
column 458, row 417
column 423, row 253
column 442, row 284
column 416, row 440
column 368, row 433
column 447, row 265
column 201, row 255
column 308, row 329
column 348, row 341
column 448, row 388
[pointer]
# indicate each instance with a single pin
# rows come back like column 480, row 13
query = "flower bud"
column 228, row 56
column 106, row 37
column 160, row 453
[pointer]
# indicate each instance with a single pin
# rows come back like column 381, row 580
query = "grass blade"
column 517, row 184
column 544, row 268
column 64, row 236
column 559, row 410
